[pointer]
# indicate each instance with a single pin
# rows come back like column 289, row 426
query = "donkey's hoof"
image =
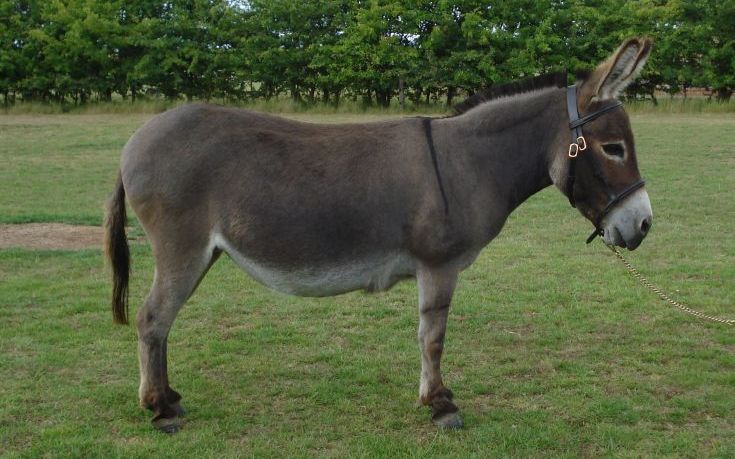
column 180, row 411
column 167, row 425
column 448, row 421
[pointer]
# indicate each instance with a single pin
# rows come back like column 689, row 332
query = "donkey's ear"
column 615, row 74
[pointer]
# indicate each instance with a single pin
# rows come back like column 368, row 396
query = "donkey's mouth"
column 612, row 236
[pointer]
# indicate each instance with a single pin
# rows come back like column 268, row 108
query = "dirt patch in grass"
column 51, row 236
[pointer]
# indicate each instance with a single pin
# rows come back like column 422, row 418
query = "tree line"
column 325, row 50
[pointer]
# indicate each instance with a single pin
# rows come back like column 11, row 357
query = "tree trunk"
column 451, row 91
column 724, row 94
column 416, row 95
column 383, row 98
column 401, row 94
column 295, row 94
column 653, row 97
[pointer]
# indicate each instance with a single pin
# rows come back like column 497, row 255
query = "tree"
column 718, row 58
column 75, row 50
column 71, row 50
column 14, row 22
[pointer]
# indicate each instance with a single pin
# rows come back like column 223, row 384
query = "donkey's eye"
column 614, row 149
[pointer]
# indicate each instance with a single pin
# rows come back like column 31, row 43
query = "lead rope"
column 645, row 282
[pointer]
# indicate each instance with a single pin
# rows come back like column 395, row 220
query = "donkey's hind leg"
column 177, row 275
column 436, row 286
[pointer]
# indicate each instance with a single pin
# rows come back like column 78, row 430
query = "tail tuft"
column 118, row 253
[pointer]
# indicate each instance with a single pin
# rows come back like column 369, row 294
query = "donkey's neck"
column 510, row 144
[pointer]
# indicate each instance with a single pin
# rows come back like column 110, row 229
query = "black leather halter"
column 579, row 144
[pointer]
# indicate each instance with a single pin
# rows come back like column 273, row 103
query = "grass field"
column 552, row 350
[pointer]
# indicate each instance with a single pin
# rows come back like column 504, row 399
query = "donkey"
column 319, row 210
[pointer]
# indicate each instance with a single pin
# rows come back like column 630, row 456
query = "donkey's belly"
column 376, row 272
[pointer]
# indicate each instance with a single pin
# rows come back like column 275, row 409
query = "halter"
column 580, row 144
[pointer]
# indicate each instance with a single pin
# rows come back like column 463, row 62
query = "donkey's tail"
column 116, row 246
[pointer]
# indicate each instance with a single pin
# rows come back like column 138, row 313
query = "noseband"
column 580, row 144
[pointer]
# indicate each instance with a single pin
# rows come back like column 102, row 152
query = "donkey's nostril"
column 645, row 225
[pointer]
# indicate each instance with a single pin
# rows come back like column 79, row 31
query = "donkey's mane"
column 547, row 80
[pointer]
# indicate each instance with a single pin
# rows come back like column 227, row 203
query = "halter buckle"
column 582, row 143
column 573, row 150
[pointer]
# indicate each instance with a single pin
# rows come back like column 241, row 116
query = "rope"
column 634, row 272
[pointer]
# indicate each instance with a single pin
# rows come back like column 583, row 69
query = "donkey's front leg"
column 436, row 286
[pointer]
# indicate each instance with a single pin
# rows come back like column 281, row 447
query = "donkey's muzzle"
column 629, row 223
column 638, row 236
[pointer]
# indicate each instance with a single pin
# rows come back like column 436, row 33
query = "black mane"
column 548, row 80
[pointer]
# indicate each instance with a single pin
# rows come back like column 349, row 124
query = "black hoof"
column 167, row 425
column 448, row 421
column 444, row 413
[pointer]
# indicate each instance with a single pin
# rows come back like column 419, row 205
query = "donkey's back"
column 195, row 146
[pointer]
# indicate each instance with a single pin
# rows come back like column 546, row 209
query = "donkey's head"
column 603, row 179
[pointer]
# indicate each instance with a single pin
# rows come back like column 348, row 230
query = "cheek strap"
column 578, row 145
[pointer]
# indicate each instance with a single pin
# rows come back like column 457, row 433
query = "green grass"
column 60, row 168
column 689, row 105
column 552, row 350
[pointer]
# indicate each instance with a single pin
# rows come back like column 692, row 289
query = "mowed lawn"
column 551, row 350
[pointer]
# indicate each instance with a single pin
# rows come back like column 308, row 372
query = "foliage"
column 76, row 50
